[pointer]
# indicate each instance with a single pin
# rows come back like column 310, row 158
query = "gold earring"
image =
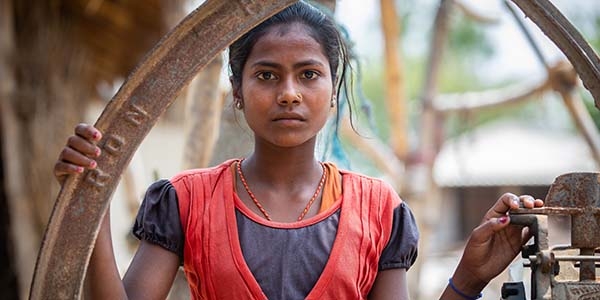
column 238, row 104
column 333, row 101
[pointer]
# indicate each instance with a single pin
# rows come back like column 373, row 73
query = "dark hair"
column 322, row 28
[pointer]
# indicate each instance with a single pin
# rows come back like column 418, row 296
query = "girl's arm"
column 153, row 268
column 149, row 276
column 490, row 249
column 390, row 285
column 151, row 273
column 102, row 280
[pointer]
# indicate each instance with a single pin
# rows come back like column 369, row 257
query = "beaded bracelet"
column 458, row 292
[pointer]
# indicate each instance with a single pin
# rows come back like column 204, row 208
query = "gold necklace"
column 262, row 209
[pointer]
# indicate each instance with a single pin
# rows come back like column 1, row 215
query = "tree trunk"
column 394, row 80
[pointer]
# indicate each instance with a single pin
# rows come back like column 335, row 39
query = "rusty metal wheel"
column 153, row 86
column 126, row 120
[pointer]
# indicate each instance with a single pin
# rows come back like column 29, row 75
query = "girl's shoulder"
column 200, row 173
column 373, row 188
column 365, row 179
column 356, row 175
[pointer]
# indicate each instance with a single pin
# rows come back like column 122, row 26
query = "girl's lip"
column 288, row 117
column 288, row 122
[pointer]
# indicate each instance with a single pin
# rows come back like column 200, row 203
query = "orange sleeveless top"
column 213, row 260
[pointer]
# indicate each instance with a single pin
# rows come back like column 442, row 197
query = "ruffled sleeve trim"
column 158, row 219
column 401, row 250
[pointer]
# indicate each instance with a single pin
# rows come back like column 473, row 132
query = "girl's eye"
column 309, row 75
column 266, row 76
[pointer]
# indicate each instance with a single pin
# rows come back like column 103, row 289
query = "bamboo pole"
column 584, row 123
column 394, row 80
column 475, row 16
column 564, row 80
column 489, row 99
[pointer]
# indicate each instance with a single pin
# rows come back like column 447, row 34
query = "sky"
column 513, row 54
column 513, row 58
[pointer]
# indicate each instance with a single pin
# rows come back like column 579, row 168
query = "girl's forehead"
column 292, row 27
column 293, row 30
column 294, row 36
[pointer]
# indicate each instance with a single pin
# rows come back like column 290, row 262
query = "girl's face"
column 286, row 87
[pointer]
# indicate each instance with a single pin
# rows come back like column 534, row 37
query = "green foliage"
column 467, row 42
column 469, row 46
column 462, row 123
column 373, row 86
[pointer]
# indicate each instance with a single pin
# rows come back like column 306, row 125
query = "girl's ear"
column 235, row 89
column 236, row 93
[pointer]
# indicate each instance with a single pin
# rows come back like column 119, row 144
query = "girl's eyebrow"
column 300, row 64
column 308, row 62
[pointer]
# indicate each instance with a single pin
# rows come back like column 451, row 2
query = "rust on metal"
column 126, row 120
column 578, row 196
column 580, row 190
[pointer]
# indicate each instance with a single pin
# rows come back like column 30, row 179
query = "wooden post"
column 203, row 115
column 395, row 98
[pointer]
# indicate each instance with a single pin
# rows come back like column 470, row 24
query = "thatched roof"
column 114, row 34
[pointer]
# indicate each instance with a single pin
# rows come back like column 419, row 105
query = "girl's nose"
column 289, row 94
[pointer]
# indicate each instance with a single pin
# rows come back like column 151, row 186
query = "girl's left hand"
column 493, row 245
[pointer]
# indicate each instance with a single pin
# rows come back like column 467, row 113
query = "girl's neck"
column 282, row 168
column 281, row 165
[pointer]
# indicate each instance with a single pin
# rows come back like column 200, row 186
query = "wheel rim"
column 125, row 121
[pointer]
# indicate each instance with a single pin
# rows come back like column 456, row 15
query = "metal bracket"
column 578, row 196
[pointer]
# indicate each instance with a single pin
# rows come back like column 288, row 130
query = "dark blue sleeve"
column 401, row 250
column 158, row 220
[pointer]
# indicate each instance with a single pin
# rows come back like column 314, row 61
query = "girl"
column 279, row 224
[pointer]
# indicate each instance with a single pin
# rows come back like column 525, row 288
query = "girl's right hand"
column 79, row 153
